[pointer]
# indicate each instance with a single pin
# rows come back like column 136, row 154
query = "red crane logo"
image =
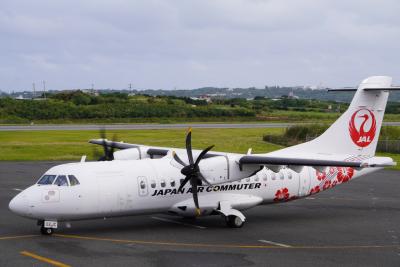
column 359, row 135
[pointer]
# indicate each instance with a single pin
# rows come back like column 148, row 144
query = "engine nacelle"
column 127, row 154
column 215, row 169
column 226, row 168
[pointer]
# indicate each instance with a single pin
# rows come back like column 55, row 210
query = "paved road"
column 148, row 126
column 356, row 224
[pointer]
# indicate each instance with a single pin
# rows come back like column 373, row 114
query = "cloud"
column 188, row 44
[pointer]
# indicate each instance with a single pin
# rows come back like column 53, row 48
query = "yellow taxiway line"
column 16, row 237
column 224, row 245
column 44, row 259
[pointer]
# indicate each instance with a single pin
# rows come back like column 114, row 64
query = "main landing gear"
column 233, row 218
column 234, row 221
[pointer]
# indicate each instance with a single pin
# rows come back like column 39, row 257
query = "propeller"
column 192, row 171
column 108, row 150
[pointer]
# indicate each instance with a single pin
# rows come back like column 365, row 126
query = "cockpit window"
column 61, row 181
column 72, row 180
column 46, row 179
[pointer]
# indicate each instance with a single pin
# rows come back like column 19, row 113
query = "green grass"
column 71, row 145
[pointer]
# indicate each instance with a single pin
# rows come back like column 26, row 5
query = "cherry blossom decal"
column 282, row 195
column 315, row 190
column 344, row 174
column 320, row 175
column 327, row 184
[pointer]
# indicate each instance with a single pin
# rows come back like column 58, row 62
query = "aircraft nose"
column 19, row 204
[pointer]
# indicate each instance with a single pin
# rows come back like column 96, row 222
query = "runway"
column 355, row 224
column 149, row 126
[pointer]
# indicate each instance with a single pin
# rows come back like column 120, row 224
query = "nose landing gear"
column 47, row 227
column 46, row 231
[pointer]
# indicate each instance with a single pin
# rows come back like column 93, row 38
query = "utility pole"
column 44, row 89
column 34, row 90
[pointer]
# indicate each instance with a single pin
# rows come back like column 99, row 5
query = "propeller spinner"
column 192, row 171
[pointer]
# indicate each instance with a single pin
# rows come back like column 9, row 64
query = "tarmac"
column 150, row 126
column 355, row 224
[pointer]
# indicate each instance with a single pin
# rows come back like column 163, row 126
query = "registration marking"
column 176, row 222
column 274, row 243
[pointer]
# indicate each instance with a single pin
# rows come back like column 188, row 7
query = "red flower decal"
column 281, row 195
column 332, row 170
column 334, row 183
column 320, row 175
column 327, row 184
column 345, row 174
column 315, row 190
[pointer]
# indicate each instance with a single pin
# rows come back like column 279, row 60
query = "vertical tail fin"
column 356, row 132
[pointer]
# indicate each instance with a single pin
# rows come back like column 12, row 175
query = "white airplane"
column 141, row 179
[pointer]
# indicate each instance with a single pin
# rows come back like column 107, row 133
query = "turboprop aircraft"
column 140, row 179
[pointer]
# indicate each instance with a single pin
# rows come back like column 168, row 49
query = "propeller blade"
column 187, row 178
column 108, row 151
column 111, row 149
column 193, row 181
column 178, row 159
column 202, row 154
column 189, row 145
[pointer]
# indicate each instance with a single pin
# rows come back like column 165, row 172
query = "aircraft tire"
column 234, row 221
column 46, row 231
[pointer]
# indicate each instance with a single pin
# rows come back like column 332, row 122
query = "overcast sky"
column 190, row 44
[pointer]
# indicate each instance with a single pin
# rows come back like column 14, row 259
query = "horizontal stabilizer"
column 392, row 88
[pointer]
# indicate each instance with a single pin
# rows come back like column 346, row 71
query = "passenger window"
column 256, row 179
column 61, row 181
column 46, row 179
column 281, row 176
column 72, row 180
column 172, row 183
column 247, row 180
column 273, row 176
column 162, row 183
column 153, row 184
column 289, row 175
column 142, row 185
column 265, row 178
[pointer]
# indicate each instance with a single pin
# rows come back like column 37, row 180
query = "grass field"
column 71, row 145
column 273, row 116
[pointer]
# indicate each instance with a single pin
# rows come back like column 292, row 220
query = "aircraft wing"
column 317, row 161
column 151, row 151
